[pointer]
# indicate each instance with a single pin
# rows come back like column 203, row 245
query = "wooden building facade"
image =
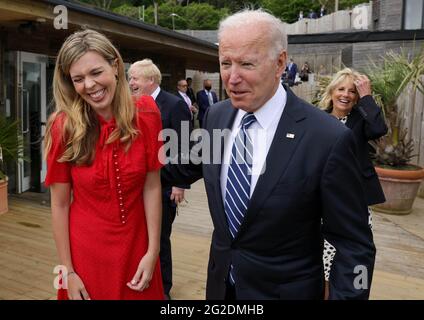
column 31, row 33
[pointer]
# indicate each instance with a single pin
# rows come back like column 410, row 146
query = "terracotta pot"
column 400, row 188
column 3, row 197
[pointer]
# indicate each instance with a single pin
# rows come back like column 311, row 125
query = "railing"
column 359, row 18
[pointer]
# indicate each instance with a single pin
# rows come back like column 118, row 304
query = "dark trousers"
column 230, row 292
column 169, row 210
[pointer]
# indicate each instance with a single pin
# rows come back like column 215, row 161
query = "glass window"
column 413, row 14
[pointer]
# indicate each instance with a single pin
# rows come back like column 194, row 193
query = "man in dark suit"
column 145, row 79
column 312, row 14
column 190, row 91
column 205, row 98
column 286, row 177
column 291, row 71
column 182, row 89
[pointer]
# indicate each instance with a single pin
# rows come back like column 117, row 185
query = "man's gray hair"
column 277, row 33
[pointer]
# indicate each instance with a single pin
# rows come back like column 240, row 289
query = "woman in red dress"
column 103, row 172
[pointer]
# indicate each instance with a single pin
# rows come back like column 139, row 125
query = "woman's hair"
column 326, row 103
column 81, row 126
column 148, row 70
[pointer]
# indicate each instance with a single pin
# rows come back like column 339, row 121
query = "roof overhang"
column 125, row 32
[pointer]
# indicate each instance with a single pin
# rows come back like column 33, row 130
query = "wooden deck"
column 28, row 255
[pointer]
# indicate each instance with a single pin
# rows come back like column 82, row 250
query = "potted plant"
column 399, row 178
column 11, row 150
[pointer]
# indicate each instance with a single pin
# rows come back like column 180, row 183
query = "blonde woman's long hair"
column 347, row 73
column 81, row 126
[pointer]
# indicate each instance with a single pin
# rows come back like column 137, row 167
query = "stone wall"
column 198, row 78
column 364, row 51
column 323, row 58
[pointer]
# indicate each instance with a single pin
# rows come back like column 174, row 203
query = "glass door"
column 32, row 114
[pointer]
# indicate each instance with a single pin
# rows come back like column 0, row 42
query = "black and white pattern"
column 330, row 251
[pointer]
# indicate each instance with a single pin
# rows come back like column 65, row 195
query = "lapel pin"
column 290, row 135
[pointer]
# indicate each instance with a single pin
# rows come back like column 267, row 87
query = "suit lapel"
column 160, row 100
column 287, row 137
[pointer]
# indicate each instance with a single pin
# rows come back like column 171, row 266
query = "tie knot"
column 248, row 120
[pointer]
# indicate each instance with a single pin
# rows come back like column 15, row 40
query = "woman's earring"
column 116, row 77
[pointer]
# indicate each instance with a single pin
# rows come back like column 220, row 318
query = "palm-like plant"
column 388, row 81
column 11, row 143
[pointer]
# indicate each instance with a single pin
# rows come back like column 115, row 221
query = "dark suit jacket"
column 203, row 102
column 367, row 123
column 173, row 110
column 277, row 253
column 291, row 72
column 191, row 95
column 178, row 94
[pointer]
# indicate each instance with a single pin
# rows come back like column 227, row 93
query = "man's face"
column 140, row 85
column 182, row 86
column 207, row 85
column 249, row 74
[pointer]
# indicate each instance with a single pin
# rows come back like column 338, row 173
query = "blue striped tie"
column 237, row 193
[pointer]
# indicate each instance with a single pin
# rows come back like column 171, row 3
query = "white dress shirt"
column 155, row 93
column 186, row 98
column 210, row 97
column 267, row 119
column 187, row 101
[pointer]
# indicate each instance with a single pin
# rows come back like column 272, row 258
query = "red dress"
column 107, row 222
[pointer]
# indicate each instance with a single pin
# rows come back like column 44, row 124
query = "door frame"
column 23, row 183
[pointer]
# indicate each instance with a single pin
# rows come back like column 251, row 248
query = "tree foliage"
column 205, row 14
column 198, row 16
column 288, row 11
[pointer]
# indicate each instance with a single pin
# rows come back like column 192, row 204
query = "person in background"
column 103, row 172
column 205, row 98
column 182, row 86
column 322, row 11
column 190, row 91
column 312, row 14
column 348, row 98
column 291, row 72
column 305, row 71
column 145, row 79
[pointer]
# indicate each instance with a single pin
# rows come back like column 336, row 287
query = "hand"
column 363, row 86
column 76, row 289
column 177, row 195
column 144, row 273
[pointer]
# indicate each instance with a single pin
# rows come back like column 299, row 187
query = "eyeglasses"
column 183, row 85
